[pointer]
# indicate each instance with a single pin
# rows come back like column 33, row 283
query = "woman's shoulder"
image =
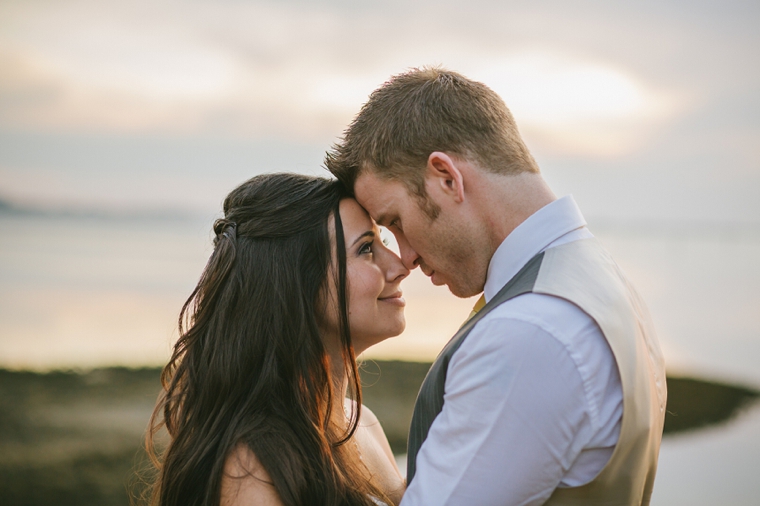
column 370, row 426
column 376, row 454
column 367, row 417
column 246, row 481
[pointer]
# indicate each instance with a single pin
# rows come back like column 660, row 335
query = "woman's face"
column 374, row 273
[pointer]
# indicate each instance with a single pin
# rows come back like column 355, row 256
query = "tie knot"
column 479, row 304
column 477, row 307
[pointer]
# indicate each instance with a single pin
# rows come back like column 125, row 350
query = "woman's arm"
column 370, row 421
column 378, row 456
column 245, row 481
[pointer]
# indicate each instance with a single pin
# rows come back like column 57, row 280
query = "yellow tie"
column 477, row 307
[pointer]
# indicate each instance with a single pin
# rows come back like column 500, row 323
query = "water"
column 715, row 466
column 702, row 286
column 711, row 467
column 106, row 290
column 85, row 291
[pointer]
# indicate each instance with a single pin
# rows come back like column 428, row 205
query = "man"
column 554, row 392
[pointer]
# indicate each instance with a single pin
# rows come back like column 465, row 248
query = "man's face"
column 441, row 247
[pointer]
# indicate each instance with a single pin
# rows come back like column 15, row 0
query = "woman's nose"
column 397, row 270
column 393, row 266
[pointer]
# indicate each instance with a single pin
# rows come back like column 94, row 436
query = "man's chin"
column 463, row 292
column 456, row 289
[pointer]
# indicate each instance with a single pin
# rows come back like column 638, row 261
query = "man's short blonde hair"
column 425, row 110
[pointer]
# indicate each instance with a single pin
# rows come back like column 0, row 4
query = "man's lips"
column 427, row 271
column 436, row 280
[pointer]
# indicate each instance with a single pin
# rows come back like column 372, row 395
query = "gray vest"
column 583, row 273
column 430, row 399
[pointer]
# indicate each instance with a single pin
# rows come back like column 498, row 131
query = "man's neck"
column 507, row 201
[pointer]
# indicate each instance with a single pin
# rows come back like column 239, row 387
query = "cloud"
column 297, row 70
column 592, row 84
column 579, row 106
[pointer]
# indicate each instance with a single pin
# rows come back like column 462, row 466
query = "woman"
column 299, row 283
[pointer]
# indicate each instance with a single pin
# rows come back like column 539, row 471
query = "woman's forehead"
column 355, row 218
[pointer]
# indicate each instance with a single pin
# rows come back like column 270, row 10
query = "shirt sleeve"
column 512, row 420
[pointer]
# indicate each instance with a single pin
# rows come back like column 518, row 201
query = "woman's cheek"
column 366, row 284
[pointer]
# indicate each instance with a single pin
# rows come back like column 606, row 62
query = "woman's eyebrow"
column 368, row 233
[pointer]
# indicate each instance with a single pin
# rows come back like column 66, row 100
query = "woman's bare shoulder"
column 246, row 482
column 372, row 427
column 368, row 418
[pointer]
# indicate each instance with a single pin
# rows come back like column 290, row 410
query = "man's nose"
column 409, row 257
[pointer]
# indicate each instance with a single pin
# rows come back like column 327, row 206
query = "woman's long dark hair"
column 250, row 366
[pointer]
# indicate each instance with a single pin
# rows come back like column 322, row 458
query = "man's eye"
column 395, row 223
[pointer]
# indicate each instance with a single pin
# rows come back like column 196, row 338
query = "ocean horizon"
column 82, row 290
column 91, row 288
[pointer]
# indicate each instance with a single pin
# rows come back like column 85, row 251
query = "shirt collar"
column 529, row 239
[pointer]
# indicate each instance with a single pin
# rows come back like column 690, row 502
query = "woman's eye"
column 365, row 248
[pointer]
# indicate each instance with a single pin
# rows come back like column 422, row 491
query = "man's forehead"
column 368, row 187
column 376, row 194
column 375, row 182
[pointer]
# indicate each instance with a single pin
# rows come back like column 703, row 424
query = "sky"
column 647, row 112
column 644, row 111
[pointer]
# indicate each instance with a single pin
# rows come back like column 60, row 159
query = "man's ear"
column 444, row 176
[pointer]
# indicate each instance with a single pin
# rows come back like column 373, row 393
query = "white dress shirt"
column 533, row 399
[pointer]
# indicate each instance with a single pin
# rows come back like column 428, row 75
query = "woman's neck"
column 339, row 389
column 340, row 378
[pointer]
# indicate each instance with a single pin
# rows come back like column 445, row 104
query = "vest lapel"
column 430, row 398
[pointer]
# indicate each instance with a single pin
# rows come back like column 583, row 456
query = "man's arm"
column 514, row 419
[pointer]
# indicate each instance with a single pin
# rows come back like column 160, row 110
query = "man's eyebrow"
column 368, row 233
column 381, row 219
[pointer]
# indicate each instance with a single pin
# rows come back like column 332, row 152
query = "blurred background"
column 124, row 124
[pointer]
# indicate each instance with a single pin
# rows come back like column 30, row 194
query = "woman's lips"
column 396, row 299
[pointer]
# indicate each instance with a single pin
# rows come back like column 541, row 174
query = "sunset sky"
column 647, row 110
column 141, row 115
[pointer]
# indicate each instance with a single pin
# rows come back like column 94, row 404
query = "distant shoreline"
column 79, row 433
column 392, row 385
column 84, row 213
column 682, row 229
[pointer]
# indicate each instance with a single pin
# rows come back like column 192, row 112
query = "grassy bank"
column 69, row 438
